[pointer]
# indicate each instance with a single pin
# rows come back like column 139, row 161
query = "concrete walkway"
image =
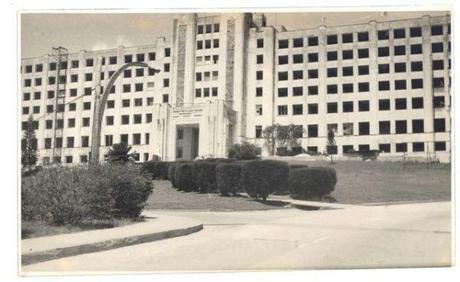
column 53, row 247
column 405, row 235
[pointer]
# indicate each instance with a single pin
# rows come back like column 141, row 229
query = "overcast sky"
column 83, row 31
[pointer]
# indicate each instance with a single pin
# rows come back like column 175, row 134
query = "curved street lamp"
column 99, row 108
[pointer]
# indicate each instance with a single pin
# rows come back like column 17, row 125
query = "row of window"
column 439, row 146
column 206, row 92
column 207, row 59
column 84, row 143
column 360, row 37
column 207, row 44
column 400, row 127
column 84, row 159
column 89, row 62
column 208, row 28
column 73, row 78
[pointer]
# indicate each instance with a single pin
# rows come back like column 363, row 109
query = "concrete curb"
column 52, row 254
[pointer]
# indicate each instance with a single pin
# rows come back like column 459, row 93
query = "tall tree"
column 29, row 146
column 269, row 134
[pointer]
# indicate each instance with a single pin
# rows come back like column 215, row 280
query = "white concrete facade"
column 225, row 77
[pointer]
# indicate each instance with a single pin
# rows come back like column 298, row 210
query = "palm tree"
column 119, row 152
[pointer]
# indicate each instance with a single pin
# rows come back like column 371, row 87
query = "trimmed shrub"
column 228, row 178
column 207, row 176
column 261, row 178
column 172, row 173
column 294, row 166
column 151, row 167
column 244, row 151
column 163, row 170
column 311, row 183
column 74, row 195
column 183, row 177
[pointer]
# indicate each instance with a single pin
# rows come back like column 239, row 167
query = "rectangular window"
column 259, row 92
column 438, row 102
column 363, row 106
column 283, row 60
column 282, row 110
column 347, row 54
column 138, row 102
column 214, row 92
column 385, row 148
column 260, row 43
column 297, row 74
column 297, row 42
column 332, row 72
column 415, row 32
column 347, row 71
column 401, row 126
column 259, row 75
column 363, row 128
column 401, row 147
column 332, row 39
column 297, row 109
column 417, row 126
column 312, row 130
column 297, row 91
column 363, row 53
column 384, row 51
column 136, row 139
column 416, row 49
column 148, row 118
column 259, row 110
column 297, row 58
column 438, row 82
column 126, row 88
column 313, row 57
column 167, row 52
column 137, row 119
column 312, row 90
column 438, row 64
column 400, row 104
column 418, row 147
column 363, row 87
column 86, row 105
column 86, row 122
column 138, row 87
column 312, row 73
column 363, row 36
column 400, row 50
column 258, row 131
column 347, row 88
column 347, row 107
column 312, row 109
column 417, row 103
column 332, row 108
column 384, row 68
column 399, row 33
column 383, row 34
column 439, row 125
column 332, row 56
column 282, row 92
column 363, row 70
column 400, row 84
column 88, row 76
column 85, row 141
column 347, row 37
column 124, row 138
column 417, row 83
column 109, row 120
column 436, row 30
column 125, row 119
column 282, row 75
column 313, row 41
column 384, row 85
column 108, row 140
column 259, row 59
column 332, row 89
column 400, row 67
column 384, row 104
column 416, row 66
column 439, row 146
column 283, row 44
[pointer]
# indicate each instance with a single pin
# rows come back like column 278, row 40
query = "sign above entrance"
column 187, row 112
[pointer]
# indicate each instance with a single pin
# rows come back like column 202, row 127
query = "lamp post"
column 99, row 107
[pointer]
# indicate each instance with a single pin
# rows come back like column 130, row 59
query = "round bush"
column 228, row 177
column 311, row 183
column 261, row 178
column 183, row 177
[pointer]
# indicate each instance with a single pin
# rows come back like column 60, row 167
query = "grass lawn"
column 32, row 229
column 377, row 182
column 166, row 197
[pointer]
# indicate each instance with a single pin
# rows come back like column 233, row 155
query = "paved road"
column 377, row 236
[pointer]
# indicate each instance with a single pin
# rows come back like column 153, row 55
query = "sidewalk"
column 52, row 247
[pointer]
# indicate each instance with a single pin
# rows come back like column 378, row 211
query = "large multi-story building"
column 223, row 79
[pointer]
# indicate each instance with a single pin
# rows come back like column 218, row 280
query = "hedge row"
column 258, row 178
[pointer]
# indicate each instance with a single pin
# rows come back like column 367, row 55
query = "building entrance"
column 187, row 141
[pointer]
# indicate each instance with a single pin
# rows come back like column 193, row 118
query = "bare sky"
column 93, row 31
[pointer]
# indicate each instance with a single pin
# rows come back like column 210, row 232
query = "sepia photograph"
column 234, row 140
